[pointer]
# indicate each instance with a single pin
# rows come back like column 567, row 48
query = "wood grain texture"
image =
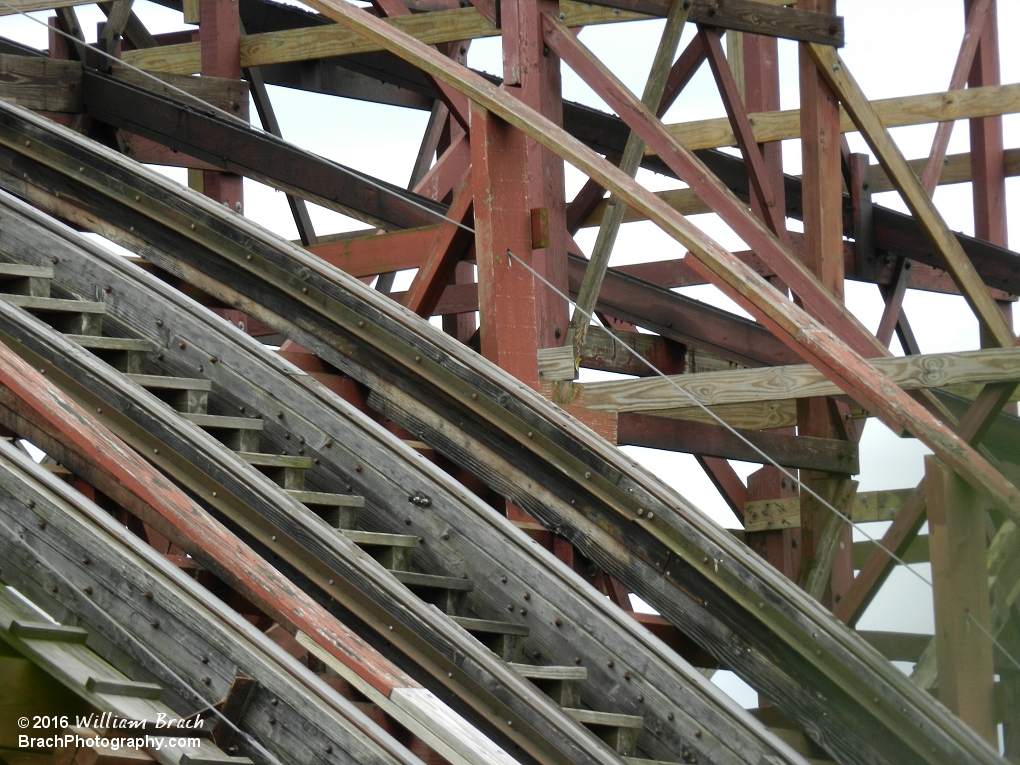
column 729, row 607
column 867, row 506
column 84, row 545
column 925, row 213
column 738, row 386
column 27, row 6
column 589, row 625
column 892, row 112
column 42, row 84
column 956, row 523
column 333, row 40
column 760, row 18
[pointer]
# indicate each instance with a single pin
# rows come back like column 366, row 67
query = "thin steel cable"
column 766, row 458
column 992, row 637
column 591, row 316
column 803, row 487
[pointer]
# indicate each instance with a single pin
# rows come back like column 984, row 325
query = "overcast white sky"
column 894, row 48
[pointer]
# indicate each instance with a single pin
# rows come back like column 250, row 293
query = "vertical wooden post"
column 781, row 548
column 956, row 525
column 220, row 34
column 823, row 254
column 532, row 73
column 1010, row 682
column 986, row 144
column 760, row 88
column 506, row 295
column 823, row 178
column 987, row 159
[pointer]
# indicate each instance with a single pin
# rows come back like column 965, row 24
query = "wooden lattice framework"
column 487, row 226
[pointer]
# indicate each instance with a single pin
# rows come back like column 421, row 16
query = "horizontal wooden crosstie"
column 741, row 386
column 288, row 46
column 452, row 495
column 955, row 169
column 868, row 506
column 893, row 112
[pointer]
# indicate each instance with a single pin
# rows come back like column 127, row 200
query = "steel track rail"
column 465, row 537
column 852, row 701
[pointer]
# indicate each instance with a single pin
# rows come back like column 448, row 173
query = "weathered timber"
column 955, row 169
column 234, row 146
column 684, row 320
column 892, row 112
column 377, row 254
column 802, row 452
column 112, row 570
column 27, row 6
column 629, row 162
column 42, row 84
column 915, row 552
column 103, row 686
column 313, row 42
column 928, row 218
column 33, row 404
column 747, row 16
column 957, row 530
column 775, row 383
column 868, row 506
column 895, row 232
column 387, row 475
column 732, row 592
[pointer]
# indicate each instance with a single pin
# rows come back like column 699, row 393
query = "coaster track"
column 265, row 448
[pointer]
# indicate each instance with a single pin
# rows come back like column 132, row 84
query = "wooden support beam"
column 28, row 6
column 630, row 161
column 826, row 564
column 233, row 708
column 892, row 112
column 977, row 15
column 684, row 320
column 219, row 37
column 239, row 149
column 41, row 84
column 117, row 18
column 610, row 351
column 955, row 169
column 915, row 552
column 726, row 481
column 328, row 40
column 377, row 253
column 760, row 18
column 956, row 522
column 927, row 216
column 264, row 107
column 816, row 299
column 448, row 248
column 818, row 573
column 735, row 386
column 865, row 507
column 584, row 208
column 767, row 202
column 791, row 451
column 987, row 171
column 531, row 74
column 502, row 226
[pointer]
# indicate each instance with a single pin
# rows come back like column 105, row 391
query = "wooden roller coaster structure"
column 277, row 504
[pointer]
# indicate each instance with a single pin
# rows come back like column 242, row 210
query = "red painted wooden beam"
column 47, row 416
